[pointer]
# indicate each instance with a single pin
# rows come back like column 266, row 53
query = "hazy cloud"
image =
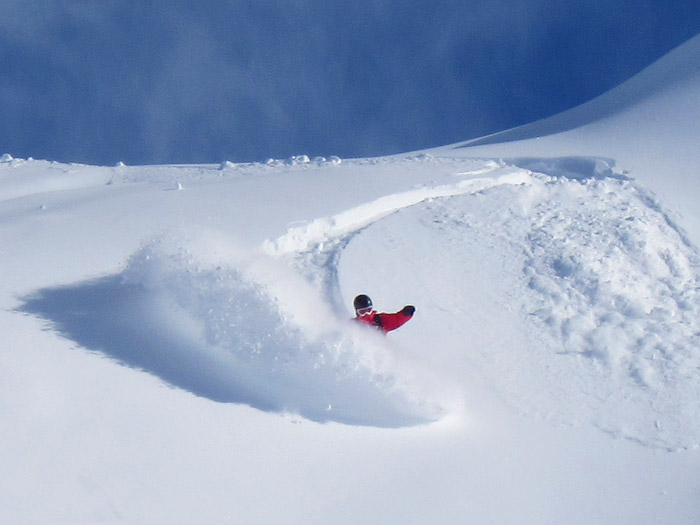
column 181, row 81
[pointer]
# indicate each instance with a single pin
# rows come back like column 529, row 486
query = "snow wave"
column 237, row 326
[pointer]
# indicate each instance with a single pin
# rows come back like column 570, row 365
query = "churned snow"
column 177, row 345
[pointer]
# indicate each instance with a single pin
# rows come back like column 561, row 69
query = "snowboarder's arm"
column 389, row 322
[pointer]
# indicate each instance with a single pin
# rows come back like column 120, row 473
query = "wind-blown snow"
column 184, row 331
column 232, row 327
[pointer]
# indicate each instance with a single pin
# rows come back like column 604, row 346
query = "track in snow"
column 574, row 293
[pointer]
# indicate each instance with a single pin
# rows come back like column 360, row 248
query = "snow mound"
column 617, row 286
column 235, row 326
column 592, row 288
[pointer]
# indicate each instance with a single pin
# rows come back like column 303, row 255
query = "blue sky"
column 211, row 80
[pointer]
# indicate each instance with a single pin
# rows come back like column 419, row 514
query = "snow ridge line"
column 314, row 233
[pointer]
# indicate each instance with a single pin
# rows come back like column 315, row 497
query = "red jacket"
column 387, row 322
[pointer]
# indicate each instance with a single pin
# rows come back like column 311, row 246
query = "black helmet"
column 362, row 301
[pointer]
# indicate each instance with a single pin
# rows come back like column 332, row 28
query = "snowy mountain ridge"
column 677, row 72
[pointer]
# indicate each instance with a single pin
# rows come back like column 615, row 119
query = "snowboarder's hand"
column 408, row 310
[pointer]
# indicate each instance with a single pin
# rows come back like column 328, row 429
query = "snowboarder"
column 366, row 314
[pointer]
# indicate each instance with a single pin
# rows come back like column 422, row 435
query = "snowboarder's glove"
column 408, row 310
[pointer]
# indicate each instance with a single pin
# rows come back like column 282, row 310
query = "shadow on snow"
column 275, row 370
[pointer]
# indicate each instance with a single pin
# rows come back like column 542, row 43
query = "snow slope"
column 177, row 349
column 649, row 125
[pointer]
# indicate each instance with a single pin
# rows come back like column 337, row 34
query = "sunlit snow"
column 178, row 345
